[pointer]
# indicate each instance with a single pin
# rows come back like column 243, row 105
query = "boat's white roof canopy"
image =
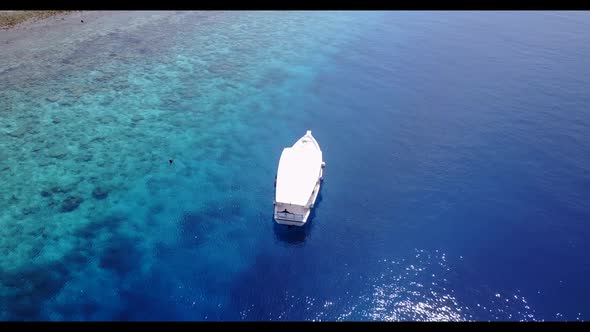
column 299, row 169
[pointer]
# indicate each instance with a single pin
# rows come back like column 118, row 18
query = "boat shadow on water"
column 296, row 234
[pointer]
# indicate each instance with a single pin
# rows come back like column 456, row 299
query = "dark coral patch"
column 100, row 193
column 122, row 256
column 35, row 284
column 71, row 203
column 193, row 229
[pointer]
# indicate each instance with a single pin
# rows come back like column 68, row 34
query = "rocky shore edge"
column 11, row 19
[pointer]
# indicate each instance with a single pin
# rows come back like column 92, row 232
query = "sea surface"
column 457, row 184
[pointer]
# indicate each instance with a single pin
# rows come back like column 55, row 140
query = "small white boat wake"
column 298, row 181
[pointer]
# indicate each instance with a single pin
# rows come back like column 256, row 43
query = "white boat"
column 298, row 181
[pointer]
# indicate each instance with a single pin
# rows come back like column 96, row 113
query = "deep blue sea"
column 457, row 184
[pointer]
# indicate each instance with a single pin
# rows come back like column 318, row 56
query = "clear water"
column 456, row 186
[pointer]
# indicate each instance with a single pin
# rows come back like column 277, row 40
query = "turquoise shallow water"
column 455, row 188
column 89, row 200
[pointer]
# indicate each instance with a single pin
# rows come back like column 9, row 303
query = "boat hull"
column 301, row 164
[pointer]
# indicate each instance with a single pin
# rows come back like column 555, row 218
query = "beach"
column 10, row 19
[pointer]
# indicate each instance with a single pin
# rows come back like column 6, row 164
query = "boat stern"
column 292, row 215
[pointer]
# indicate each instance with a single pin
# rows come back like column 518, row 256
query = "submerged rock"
column 70, row 204
column 100, row 193
column 13, row 199
column 66, row 102
column 98, row 138
column 20, row 132
column 56, row 189
column 53, row 99
column 57, row 152
column 84, row 158
column 77, row 92
column 106, row 101
column 37, row 148
column 45, row 162
column 30, row 210
column 106, row 119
